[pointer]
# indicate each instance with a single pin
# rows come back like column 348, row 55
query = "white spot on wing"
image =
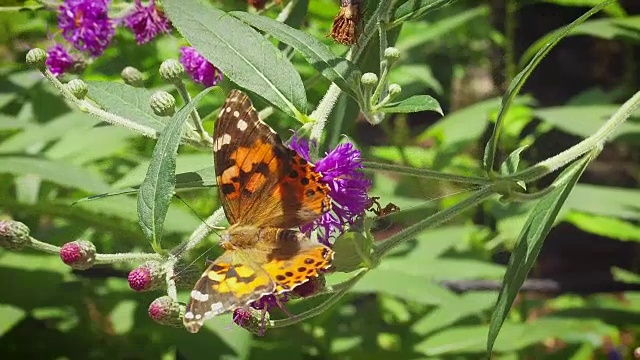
column 242, row 125
column 198, row 296
column 198, row 317
column 217, row 308
column 219, row 142
column 188, row 315
column 228, row 109
column 236, row 113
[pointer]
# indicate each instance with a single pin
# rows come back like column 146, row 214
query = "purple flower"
column 341, row 170
column 59, row 60
column 146, row 22
column 86, row 24
column 200, row 70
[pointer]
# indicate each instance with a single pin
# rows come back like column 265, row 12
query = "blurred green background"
column 432, row 298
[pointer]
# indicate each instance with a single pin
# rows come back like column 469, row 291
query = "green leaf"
column 184, row 163
column 447, row 314
column 606, row 201
column 419, row 33
column 158, row 186
column 243, row 55
column 614, row 9
column 510, row 164
column 530, row 242
column 626, row 276
column 127, row 101
column 414, row 9
column 35, row 137
column 608, row 29
column 413, row 104
column 586, row 120
column 348, row 247
column 10, row 316
column 80, row 146
column 122, row 316
column 57, row 172
column 519, row 80
column 465, row 126
column 604, row 226
column 336, row 69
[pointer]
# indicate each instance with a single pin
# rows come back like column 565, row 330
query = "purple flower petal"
column 86, row 24
column 341, row 170
column 59, row 60
column 200, row 70
column 146, row 22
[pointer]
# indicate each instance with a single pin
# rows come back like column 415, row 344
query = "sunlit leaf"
column 158, row 186
column 530, row 242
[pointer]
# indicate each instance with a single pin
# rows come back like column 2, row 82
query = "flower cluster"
column 200, row 70
column 341, row 170
column 88, row 28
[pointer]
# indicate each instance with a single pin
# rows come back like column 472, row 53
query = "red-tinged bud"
column 79, row 254
column 165, row 311
column 146, row 277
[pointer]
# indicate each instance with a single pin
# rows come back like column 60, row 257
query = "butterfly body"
column 267, row 191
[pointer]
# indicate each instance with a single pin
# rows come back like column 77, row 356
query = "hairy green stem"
column 424, row 173
column 43, row 246
column 387, row 245
column 597, row 139
column 195, row 116
column 322, row 112
column 116, row 258
column 382, row 12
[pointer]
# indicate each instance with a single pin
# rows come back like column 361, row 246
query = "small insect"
column 377, row 208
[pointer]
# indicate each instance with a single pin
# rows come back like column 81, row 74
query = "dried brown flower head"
column 345, row 24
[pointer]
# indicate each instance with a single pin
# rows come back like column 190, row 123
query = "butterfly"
column 267, row 191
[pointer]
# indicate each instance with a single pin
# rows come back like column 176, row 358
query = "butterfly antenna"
column 212, row 228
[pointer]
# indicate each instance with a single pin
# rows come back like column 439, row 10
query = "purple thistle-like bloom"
column 86, row 24
column 200, row 70
column 341, row 170
column 59, row 60
column 146, row 22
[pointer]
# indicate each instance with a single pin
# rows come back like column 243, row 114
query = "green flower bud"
column 369, row 79
column 171, row 70
column 37, row 58
column 162, row 103
column 132, row 76
column 78, row 88
column 14, row 235
column 165, row 311
column 394, row 90
column 391, row 54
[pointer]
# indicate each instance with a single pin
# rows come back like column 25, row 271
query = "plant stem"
column 121, row 257
column 597, row 139
column 89, row 108
column 195, row 117
column 428, row 174
column 200, row 233
column 383, row 248
column 43, row 246
column 345, row 286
